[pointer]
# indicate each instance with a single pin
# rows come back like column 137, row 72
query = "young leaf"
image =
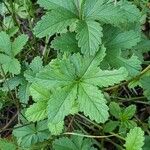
column 110, row 126
column 129, row 112
column 7, row 145
column 7, row 58
column 31, row 134
column 135, row 139
column 115, row 110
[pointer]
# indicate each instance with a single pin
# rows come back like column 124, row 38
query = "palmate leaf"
column 121, row 41
column 31, row 134
column 114, row 59
column 77, row 79
column 10, row 50
column 135, row 139
column 89, row 35
column 9, row 64
column 74, row 143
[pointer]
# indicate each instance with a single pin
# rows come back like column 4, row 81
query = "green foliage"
column 123, row 116
column 73, row 79
column 84, row 14
column 31, row 134
column 9, row 50
column 7, row 145
column 146, row 143
column 134, row 139
column 74, row 143
column 145, row 82
column 83, row 68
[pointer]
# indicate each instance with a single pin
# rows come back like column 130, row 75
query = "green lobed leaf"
column 74, row 143
column 120, row 39
column 129, row 112
column 66, row 43
column 134, row 139
column 115, row 110
column 53, row 22
column 106, row 78
column 74, row 79
column 68, row 5
column 56, row 74
column 19, row 43
column 93, row 104
column 31, row 134
column 111, row 13
column 9, row 64
column 35, row 67
column 5, row 43
column 23, row 92
column 60, row 104
column 145, row 82
column 89, row 35
column 7, row 57
column 114, row 59
column 110, row 126
column 37, row 111
column 7, row 145
column 56, row 129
